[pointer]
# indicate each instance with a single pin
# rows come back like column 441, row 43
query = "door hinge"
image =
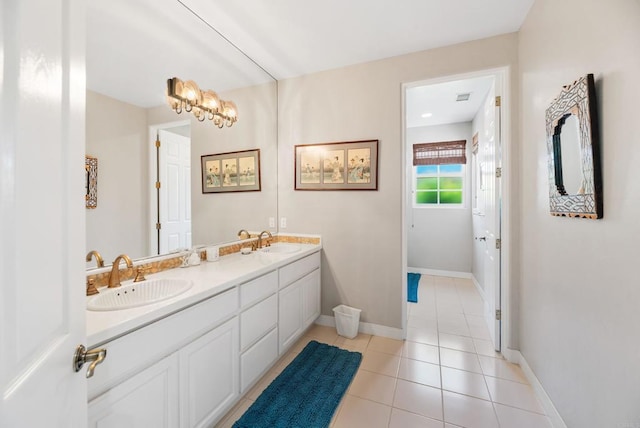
column 158, row 226
column 498, row 101
column 498, row 315
column 498, row 244
column 498, row 172
column 158, row 143
column 157, row 184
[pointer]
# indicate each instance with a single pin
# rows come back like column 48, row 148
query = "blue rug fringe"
column 307, row 392
column 412, row 283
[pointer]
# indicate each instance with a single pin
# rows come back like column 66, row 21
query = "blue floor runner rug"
column 307, row 392
column 412, row 283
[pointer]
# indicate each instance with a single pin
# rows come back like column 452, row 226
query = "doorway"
column 170, row 184
column 455, row 214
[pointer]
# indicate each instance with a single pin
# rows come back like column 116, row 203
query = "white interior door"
column 42, row 213
column 492, row 160
column 175, row 191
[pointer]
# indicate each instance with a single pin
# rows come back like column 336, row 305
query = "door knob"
column 482, row 238
column 82, row 356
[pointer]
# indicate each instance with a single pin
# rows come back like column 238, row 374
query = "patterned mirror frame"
column 91, row 184
column 579, row 99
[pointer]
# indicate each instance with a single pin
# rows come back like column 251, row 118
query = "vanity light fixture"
column 187, row 96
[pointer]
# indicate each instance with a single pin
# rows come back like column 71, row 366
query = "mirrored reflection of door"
column 174, row 195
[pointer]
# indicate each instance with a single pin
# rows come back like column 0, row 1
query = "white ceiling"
column 440, row 101
column 133, row 46
column 292, row 37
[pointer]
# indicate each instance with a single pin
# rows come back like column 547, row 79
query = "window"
column 439, row 184
column 439, row 173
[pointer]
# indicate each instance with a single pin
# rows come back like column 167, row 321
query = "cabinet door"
column 209, row 376
column 289, row 315
column 148, row 399
column 310, row 298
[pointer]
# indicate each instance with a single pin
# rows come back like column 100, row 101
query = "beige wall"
column 116, row 133
column 362, row 231
column 579, row 286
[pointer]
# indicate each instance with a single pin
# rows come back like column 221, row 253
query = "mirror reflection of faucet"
column 99, row 260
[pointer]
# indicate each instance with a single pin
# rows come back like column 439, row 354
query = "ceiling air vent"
column 463, row 97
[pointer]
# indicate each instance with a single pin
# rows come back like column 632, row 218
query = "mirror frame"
column 91, row 181
column 579, row 99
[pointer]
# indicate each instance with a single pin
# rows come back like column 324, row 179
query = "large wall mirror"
column 575, row 183
column 133, row 47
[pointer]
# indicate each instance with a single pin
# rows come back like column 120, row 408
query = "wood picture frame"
column 231, row 172
column 351, row 165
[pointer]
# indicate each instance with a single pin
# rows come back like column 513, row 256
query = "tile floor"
column 446, row 374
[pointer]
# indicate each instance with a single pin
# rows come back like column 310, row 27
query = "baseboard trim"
column 478, row 287
column 365, row 327
column 545, row 400
column 436, row 272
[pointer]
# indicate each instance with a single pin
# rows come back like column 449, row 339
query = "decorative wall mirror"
column 575, row 180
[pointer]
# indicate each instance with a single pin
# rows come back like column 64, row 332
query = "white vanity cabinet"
column 298, row 298
column 188, row 368
column 179, row 371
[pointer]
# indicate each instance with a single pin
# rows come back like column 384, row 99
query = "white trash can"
column 347, row 320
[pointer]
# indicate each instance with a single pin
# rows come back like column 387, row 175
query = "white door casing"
column 492, row 194
column 175, row 191
column 42, row 213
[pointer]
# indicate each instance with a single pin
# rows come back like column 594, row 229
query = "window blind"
column 442, row 153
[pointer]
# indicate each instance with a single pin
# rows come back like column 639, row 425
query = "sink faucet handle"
column 140, row 271
column 91, row 287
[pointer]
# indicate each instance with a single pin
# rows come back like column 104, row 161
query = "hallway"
column 444, row 375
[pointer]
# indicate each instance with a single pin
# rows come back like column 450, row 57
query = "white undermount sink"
column 281, row 249
column 138, row 294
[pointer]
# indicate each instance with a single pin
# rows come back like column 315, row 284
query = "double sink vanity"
column 211, row 332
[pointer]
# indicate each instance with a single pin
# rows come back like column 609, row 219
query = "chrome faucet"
column 244, row 232
column 268, row 244
column 99, row 260
column 114, row 276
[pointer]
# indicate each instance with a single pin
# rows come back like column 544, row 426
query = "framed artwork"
column 231, row 172
column 337, row 166
column 91, row 182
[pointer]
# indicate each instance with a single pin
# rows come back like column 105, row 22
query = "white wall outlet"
column 272, row 222
column 283, row 222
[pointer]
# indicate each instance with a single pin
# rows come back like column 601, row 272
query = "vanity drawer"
column 131, row 353
column 298, row 269
column 257, row 320
column 259, row 288
column 257, row 359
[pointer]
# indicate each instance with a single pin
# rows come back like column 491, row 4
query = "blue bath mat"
column 307, row 392
column 412, row 283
